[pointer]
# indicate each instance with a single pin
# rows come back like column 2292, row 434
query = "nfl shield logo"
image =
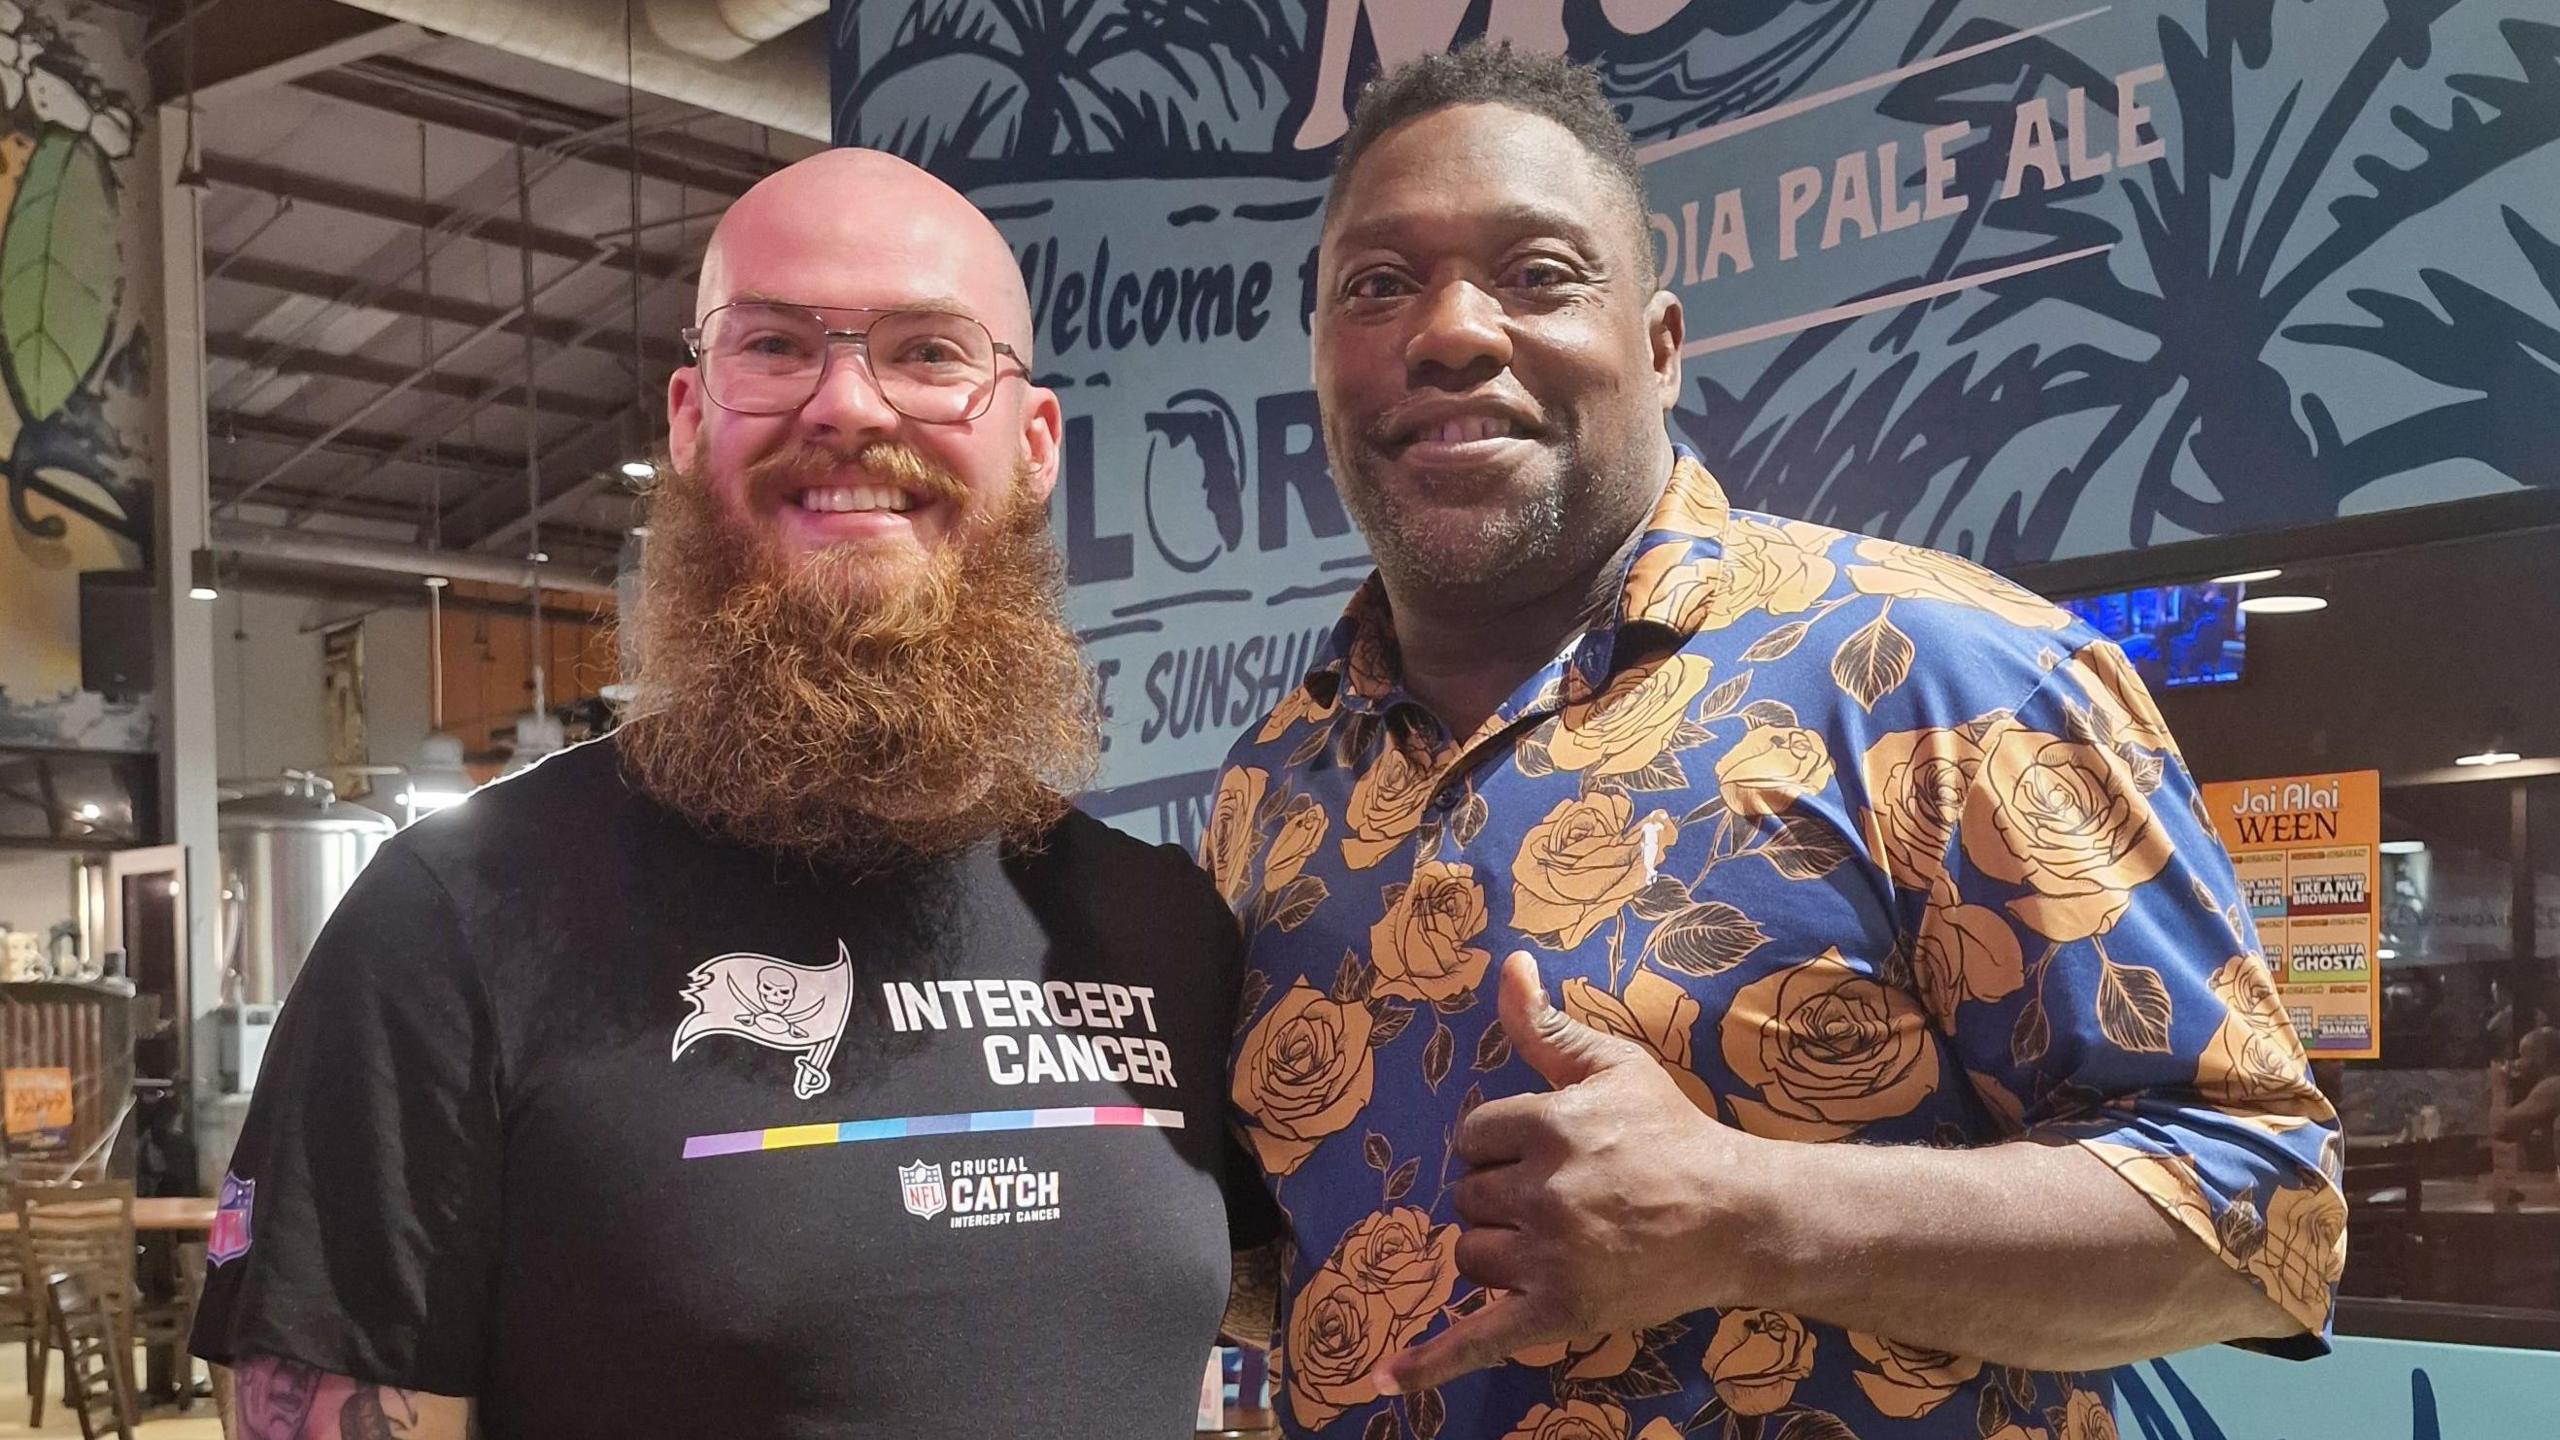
column 230, row 1237
column 921, row 1186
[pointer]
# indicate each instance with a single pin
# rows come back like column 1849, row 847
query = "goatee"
column 822, row 705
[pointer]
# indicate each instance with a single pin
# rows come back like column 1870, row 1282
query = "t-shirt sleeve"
column 2088, row 949
column 368, row 1167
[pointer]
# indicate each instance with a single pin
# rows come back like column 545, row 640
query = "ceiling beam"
column 288, row 39
column 660, row 352
column 471, row 107
column 363, row 371
column 586, row 488
column 378, row 446
column 408, row 212
column 644, row 424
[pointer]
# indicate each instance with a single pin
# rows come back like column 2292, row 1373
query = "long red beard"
column 803, row 704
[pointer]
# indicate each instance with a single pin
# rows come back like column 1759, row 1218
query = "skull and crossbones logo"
column 769, row 1011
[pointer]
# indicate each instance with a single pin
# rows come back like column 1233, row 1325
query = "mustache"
column 804, row 464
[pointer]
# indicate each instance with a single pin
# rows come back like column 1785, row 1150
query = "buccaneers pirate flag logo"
column 776, row 1004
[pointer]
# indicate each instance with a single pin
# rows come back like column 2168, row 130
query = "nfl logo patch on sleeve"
column 230, row 1237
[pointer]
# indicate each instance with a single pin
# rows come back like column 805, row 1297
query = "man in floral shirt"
column 1818, row 837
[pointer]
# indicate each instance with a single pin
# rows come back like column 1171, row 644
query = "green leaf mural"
column 57, row 274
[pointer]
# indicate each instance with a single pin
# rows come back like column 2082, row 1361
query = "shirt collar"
column 1668, row 582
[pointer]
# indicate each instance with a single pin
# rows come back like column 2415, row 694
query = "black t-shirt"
column 625, row 1130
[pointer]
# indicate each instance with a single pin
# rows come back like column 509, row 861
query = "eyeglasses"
column 762, row 358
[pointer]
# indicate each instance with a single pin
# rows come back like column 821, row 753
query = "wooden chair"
column 86, row 1231
column 22, row 1312
column 94, row 1359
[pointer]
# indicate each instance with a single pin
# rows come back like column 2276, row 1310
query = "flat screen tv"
column 2175, row 635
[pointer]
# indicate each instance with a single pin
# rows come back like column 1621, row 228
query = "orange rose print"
column 1771, row 767
column 2085, row 1416
column 1301, row 832
column 2107, row 678
column 1916, row 782
column 1692, row 504
column 1338, row 1333
column 1667, row 587
column 1420, row 946
column 1756, row 1358
column 1386, row 803
column 1963, row 952
column 1303, row 1072
column 1576, row 867
column 1782, row 568
column 1627, row 726
column 2168, row 1181
column 1908, row 1381
column 1294, row 707
column 1378, row 1291
column 1656, row 1013
column 1828, row 1049
column 1572, row 1420
column 2065, row 820
column 2305, row 1250
column 1907, row 570
column 1373, row 662
column 1229, row 841
column 1400, row 1254
column 1592, row 1357
column 2254, row 1065
column 2019, row 1432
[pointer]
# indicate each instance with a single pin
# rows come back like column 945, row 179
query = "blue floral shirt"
column 1862, row 842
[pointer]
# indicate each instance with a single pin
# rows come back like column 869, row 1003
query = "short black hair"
column 1477, row 73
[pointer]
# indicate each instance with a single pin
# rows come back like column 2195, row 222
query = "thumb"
column 1560, row 1048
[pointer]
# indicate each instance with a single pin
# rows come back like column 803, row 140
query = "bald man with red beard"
column 795, row 1061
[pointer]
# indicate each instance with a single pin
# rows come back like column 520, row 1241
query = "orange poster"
column 2307, row 849
column 38, row 1103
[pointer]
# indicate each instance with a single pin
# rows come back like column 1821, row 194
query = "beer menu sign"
column 2308, row 851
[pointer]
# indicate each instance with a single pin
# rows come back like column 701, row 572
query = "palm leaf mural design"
column 1661, row 92
column 61, row 284
column 1127, row 86
column 2178, row 379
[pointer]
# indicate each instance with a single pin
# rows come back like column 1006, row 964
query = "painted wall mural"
column 74, row 361
column 2023, row 279
column 2367, row 1390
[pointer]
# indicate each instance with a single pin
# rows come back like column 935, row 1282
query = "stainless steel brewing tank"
column 287, row 859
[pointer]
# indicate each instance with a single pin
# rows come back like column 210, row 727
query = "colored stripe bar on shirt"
column 975, row 1122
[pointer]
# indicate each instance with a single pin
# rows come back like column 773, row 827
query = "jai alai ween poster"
column 2308, row 851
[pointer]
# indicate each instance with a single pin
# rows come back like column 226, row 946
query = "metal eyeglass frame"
column 860, row 340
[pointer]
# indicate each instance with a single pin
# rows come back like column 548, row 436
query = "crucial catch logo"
column 1001, row 1190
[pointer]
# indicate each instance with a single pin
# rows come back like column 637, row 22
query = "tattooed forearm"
column 377, row 1413
column 274, row 1398
column 280, row 1400
column 1253, row 1297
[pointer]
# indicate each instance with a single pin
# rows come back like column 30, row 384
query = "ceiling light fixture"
column 2404, row 847
column 202, row 581
column 2283, row 604
column 437, row 781
column 639, row 470
column 2491, row 756
column 2245, row 577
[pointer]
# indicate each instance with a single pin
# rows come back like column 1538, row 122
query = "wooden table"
column 154, row 1212
column 171, row 1217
